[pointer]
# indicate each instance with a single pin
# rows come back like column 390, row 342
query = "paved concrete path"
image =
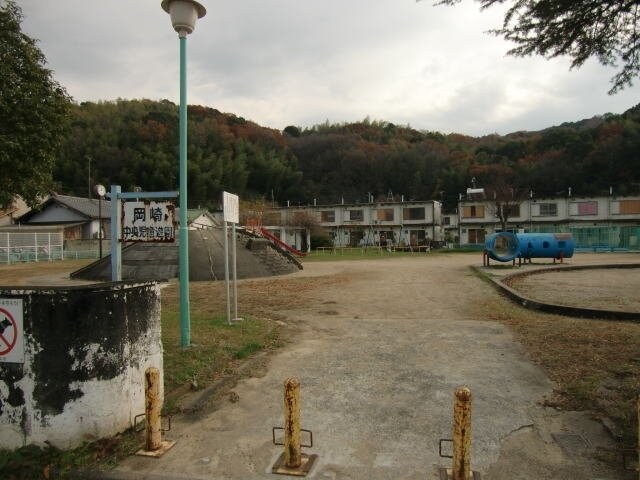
column 379, row 357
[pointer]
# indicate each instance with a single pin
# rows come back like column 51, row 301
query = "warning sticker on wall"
column 11, row 331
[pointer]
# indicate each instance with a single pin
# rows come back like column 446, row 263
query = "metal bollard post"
column 292, row 461
column 292, row 449
column 153, row 405
column 461, row 469
column 638, row 447
column 154, row 445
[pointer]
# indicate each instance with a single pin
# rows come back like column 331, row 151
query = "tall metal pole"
column 185, row 318
column 235, row 273
column 226, row 271
column 116, row 246
column 100, row 225
column 89, row 177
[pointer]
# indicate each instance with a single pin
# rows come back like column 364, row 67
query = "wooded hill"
column 135, row 143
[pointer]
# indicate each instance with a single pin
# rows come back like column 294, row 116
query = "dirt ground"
column 380, row 346
column 379, row 354
column 610, row 289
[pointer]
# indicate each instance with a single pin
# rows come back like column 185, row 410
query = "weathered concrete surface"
column 379, row 359
column 86, row 350
column 159, row 261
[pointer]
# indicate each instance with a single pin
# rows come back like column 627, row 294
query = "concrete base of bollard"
column 303, row 470
column 447, row 474
column 164, row 447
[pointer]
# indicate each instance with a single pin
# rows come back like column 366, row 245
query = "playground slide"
column 281, row 244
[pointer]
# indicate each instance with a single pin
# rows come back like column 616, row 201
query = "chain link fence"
column 30, row 247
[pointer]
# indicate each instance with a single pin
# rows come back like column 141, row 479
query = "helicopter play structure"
column 508, row 246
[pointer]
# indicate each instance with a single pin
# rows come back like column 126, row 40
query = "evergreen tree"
column 33, row 113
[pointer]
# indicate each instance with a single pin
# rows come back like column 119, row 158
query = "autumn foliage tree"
column 132, row 142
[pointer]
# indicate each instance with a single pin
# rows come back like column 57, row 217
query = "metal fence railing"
column 30, row 247
column 602, row 238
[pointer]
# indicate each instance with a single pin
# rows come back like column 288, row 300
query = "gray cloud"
column 282, row 62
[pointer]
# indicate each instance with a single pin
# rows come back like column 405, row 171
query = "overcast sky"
column 301, row 62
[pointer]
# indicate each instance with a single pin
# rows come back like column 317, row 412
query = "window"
column 328, row 216
column 473, row 211
column 548, row 209
column 446, row 220
column 587, row 208
column 476, row 235
column 416, row 237
column 629, row 207
column 512, row 210
column 385, row 214
column 414, row 213
column 356, row 215
column 584, row 208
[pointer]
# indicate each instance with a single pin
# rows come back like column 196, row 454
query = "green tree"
column 608, row 30
column 33, row 113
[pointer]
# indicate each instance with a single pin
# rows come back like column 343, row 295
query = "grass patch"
column 371, row 254
column 214, row 345
column 216, row 348
column 32, row 462
column 594, row 364
column 17, row 273
column 247, row 350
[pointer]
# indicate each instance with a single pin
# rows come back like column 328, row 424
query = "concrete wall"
column 87, row 245
column 85, row 353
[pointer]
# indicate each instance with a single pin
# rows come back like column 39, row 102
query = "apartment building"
column 609, row 220
column 360, row 224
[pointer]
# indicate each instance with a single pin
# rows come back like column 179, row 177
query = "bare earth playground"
column 379, row 347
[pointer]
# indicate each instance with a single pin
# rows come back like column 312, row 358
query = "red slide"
column 281, row 244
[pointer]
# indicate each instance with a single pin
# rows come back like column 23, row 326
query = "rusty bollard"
column 293, row 461
column 461, row 469
column 292, row 448
column 153, row 406
column 154, row 445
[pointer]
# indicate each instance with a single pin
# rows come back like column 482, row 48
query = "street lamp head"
column 184, row 14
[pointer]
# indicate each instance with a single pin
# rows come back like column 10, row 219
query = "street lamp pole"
column 184, row 14
column 100, row 191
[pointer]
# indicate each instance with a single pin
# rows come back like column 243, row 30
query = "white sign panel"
column 148, row 221
column 230, row 207
column 11, row 330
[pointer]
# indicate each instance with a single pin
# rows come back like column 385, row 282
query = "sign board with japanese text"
column 11, row 330
column 230, row 207
column 148, row 221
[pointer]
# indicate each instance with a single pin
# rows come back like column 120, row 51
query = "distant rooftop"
column 87, row 206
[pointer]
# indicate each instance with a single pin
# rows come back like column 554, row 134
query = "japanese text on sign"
column 148, row 221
